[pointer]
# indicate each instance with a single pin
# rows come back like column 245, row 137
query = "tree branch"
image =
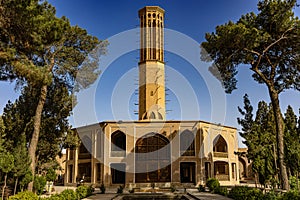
column 275, row 42
column 261, row 75
column 252, row 51
column 273, row 67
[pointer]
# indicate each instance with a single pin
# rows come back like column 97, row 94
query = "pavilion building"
column 153, row 149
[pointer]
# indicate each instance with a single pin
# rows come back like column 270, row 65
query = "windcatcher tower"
column 151, row 66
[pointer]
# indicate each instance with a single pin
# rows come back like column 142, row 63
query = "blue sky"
column 193, row 18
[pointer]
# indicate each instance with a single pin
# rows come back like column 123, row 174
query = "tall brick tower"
column 151, row 66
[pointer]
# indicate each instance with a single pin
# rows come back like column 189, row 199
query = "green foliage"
column 173, row 188
column 18, row 120
column 294, row 183
column 90, row 190
column 2, row 128
column 27, row 178
column 39, row 184
column 295, row 195
column 6, row 165
column 131, row 191
column 255, row 194
column 292, row 140
column 21, row 158
column 6, row 162
column 120, row 189
column 222, row 190
column 201, row 188
column 269, row 43
column 68, row 194
column 55, row 197
column 212, row 184
column 272, row 196
column 26, row 195
column 265, row 41
column 245, row 193
column 71, row 140
column 102, row 188
column 259, row 138
column 51, row 175
column 238, row 192
column 45, row 54
column 82, row 191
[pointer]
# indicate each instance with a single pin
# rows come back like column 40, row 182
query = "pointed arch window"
column 118, row 144
column 85, row 148
column 152, row 159
column 220, row 145
column 187, row 143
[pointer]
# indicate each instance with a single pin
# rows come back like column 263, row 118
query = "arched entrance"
column 242, row 168
column 152, row 159
column 221, row 170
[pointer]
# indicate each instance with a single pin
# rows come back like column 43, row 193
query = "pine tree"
column 6, row 166
column 292, row 141
column 21, row 160
column 269, row 44
column 37, row 48
column 260, row 139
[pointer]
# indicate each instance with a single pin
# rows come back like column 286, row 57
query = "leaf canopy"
column 269, row 42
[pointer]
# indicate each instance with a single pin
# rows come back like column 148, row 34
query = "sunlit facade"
column 153, row 149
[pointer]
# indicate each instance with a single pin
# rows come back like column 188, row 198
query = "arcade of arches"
column 179, row 153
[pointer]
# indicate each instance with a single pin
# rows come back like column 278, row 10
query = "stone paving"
column 194, row 195
column 209, row 196
column 102, row 196
column 206, row 195
column 111, row 194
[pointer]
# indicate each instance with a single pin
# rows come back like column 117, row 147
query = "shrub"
column 212, row 184
column 90, row 190
column 153, row 185
column 131, row 191
column 39, row 184
column 51, row 175
column 291, row 195
column 271, row 196
column 102, row 188
column 238, row 192
column 254, row 194
column 173, row 188
column 201, row 188
column 82, row 191
column 294, row 182
column 55, row 197
column 221, row 190
column 120, row 189
column 245, row 193
column 68, row 194
column 24, row 196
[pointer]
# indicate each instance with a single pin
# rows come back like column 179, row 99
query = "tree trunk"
column 16, row 184
column 4, row 186
column 280, row 141
column 36, row 132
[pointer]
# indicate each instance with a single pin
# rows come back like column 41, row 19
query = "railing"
column 222, row 177
column 221, row 154
column 118, row 153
